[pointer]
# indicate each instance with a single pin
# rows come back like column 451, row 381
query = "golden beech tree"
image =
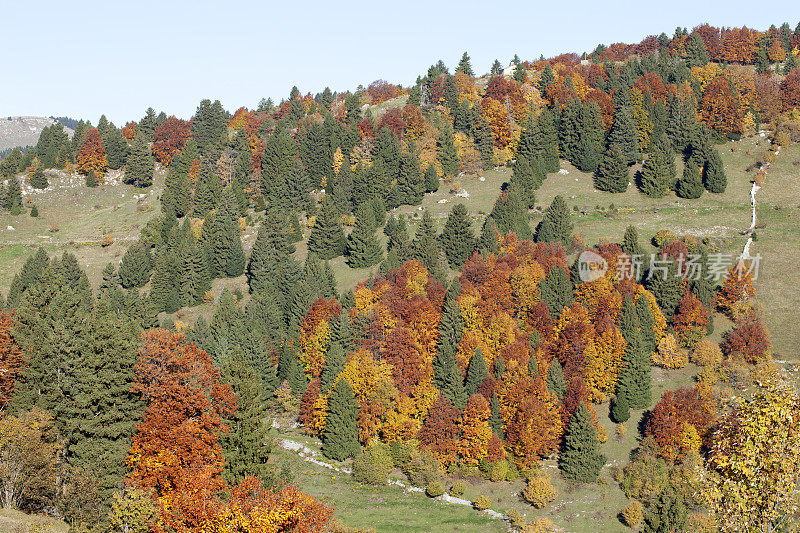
column 754, row 462
column 92, row 155
column 535, row 428
column 737, row 288
column 719, row 108
column 315, row 334
column 694, row 406
column 475, row 430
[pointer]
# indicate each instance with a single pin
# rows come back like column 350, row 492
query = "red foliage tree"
column 535, row 427
column 306, row 414
column 11, row 360
column 439, row 432
column 382, row 90
column 790, row 91
column 129, row 131
column 666, row 423
column 719, row 108
column 393, row 120
column 748, row 339
column 169, row 138
column 92, row 155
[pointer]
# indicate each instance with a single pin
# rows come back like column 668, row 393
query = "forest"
column 470, row 350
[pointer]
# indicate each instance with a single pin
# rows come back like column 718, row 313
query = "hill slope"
column 23, row 131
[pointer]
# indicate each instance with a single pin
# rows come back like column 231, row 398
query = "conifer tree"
column 164, row 287
column 426, row 246
column 431, row 179
column 477, row 372
column 327, row 238
column 556, row 225
column 580, row 459
column 546, row 78
column 634, row 377
column 446, row 374
column 624, row 135
column 410, row 181
column 136, row 265
column 270, row 250
column 116, row 148
column 714, row 179
column 654, row 179
column 340, row 435
column 446, row 152
column 612, row 174
column 221, row 242
column 556, row 291
column 696, row 52
column 619, row 410
column 13, row 197
column 646, row 323
column 555, row 379
column 39, row 179
column 546, row 139
column 335, row 359
column 497, row 68
column 193, row 278
column 140, row 164
column 689, row 186
column 591, row 134
column 465, row 65
column 363, row 249
column 458, row 239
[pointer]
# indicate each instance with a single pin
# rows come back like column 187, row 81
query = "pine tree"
column 556, row 291
column 426, row 246
column 634, row 377
column 497, row 68
column 624, row 135
column 116, row 148
column 696, row 52
column 619, row 410
column 714, row 179
column 335, row 360
column 431, row 179
column 410, row 183
column 465, row 65
column 555, row 379
column 580, row 459
column 13, row 197
column 458, row 239
column 654, row 180
column 477, row 372
column 612, row 174
column 140, row 163
column 446, row 152
column 556, row 225
column 221, row 241
column 340, row 435
column 136, row 265
column 39, row 179
column 689, row 186
column 363, row 249
column 327, row 238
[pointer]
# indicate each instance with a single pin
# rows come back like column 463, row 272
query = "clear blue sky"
column 82, row 59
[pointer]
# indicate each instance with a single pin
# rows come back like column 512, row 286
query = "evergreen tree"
column 667, row 513
column 556, row 291
column 654, row 178
column 340, row 435
column 631, row 246
column 477, row 372
column 458, row 239
column 624, row 135
column 546, row 141
column 39, row 179
column 116, row 148
column 612, row 174
column 245, row 444
column 619, row 410
column 29, row 275
column 556, row 225
column 446, row 374
column 135, row 267
column 714, row 179
column 220, row 240
column 546, row 78
column 555, row 379
column 327, row 238
column 363, row 249
column 431, row 179
column 497, row 68
column 580, row 459
column 696, row 52
column 465, row 65
column 446, row 152
column 591, row 136
column 410, row 182
column 164, row 287
column 689, row 186
column 647, row 325
column 209, row 124
column 140, row 163
column 426, row 246
column 270, row 250
column 634, row 377
column 335, row 359
column 13, row 197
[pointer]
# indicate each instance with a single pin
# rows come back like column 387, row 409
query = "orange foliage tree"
column 129, row 131
column 790, row 91
column 11, row 360
column 92, row 155
column 439, row 432
column 675, row 410
column 737, row 287
column 475, row 430
column 719, row 108
column 315, row 334
column 748, row 339
column 169, row 138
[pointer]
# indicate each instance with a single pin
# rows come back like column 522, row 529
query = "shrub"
column 517, row 519
column 422, row 468
column 633, row 514
column 482, row 503
column 669, row 354
column 458, row 488
column 402, row 452
column 540, row 525
column 539, row 491
column 372, row 466
column 498, row 471
column 108, row 240
column 34, row 211
column 664, row 237
column 707, row 353
column 782, row 139
column 621, row 431
column 435, row 489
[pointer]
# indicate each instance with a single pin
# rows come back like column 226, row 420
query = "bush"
column 34, row 211
column 539, row 491
column 633, row 514
column 707, row 353
column 621, row 431
column 782, row 139
column 372, row 466
column 482, row 503
column 422, row 468
column 498, row 471
column 517, row 519
column 458, row 488
column 663, row 237
column 669, row 354
column 540, row 525
column 402, row 451
column 435, row 489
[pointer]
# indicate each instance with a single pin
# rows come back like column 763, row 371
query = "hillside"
column 23, row 131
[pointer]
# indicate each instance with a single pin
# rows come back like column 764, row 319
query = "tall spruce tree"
column 477, row 372
column 654, row 178
column 426, row 246
column 446, row 152
column 465, row 66
column 624, row 135
column 363, row 249
column 612, row 174
column 580, row 459
column 556, row 225
column 714, row 178
column 327, row 238
column 634, row 378
column 556, row 291
column 689, row 186
column 140, row 164
column 458, row 239
column 340, row 435
column 555, row 379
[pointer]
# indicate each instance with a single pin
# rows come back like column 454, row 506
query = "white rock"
column 481, row 178
column 576, row 179
column 11, row 228
column 563, row 172
column 442, row 201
